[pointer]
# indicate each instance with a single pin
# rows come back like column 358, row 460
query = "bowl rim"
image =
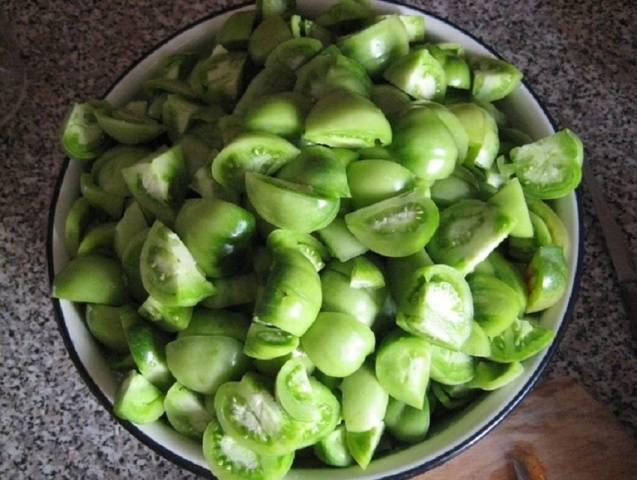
column 421, row 468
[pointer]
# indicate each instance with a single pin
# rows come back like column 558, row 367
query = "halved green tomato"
column 347, row 120
column 523, row 339
column 402, row 368
column 469, row 231
column 437, row 306
column 229, row 460
column 397, row 226
column 290, row 205
column 251, row 152
column 551, row 167
column 169, row 272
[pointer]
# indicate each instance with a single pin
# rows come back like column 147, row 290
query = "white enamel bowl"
column 466, row 428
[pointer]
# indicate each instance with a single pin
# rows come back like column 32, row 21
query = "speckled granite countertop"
column 578, row 56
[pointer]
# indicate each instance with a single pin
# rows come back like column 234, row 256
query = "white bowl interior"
column 525, row 112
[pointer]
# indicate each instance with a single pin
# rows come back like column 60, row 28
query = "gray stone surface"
column 578, row 56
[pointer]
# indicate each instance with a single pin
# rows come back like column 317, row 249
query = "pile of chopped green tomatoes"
column 319, row 234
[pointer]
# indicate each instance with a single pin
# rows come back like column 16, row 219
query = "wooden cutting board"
column 571, row 435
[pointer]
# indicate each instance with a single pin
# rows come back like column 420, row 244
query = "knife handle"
column 628, row 292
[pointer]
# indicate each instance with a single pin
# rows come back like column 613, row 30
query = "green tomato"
column 371, row 181
column 272, row 31
column 251, row 152
column 108, row 203
column 219, row 78
column 406, row 423
column 217, row 233
column 232, row 291
column 462, row 184
column 419, row 75
column 288, row 205
column 104, row 324
column 127, row 127
column 98, row 239
column 332, row 449
column 132, row 222
column 346, row 120
column 294, row 53
column 469, row 231
column 522, row 340
column 495, row 264
column 291, row 297
column 552, row 223
column 340, row 241
column 279, row 114
column 91, row 278
column 170, row 319
column 344, row 14
column 391, row 100
column 478, row 344
column 496, row 304
column 414, row 25
column 177, row 115
column 229, row 460
column 377, row 45
column 547, row 278
column 81, row 136
column 338, row 343
column 366, row 274
column 400, row 271
column 236, row 30
column 450, row 367
column 107, row 169
column 76, row 221
column 131, row 265
column 138, row 400
column 510, row 198
column 204, row 362
column 281, row 240
column 169, row 271
column 491, row 376
column 362, row 445
column 457, row 72
column 494, row 79
column 364, row 400
column 225, row 323
column 272, row 79
column 186, row 411
column 265, row 342
column 147, row 349
column 396, row 227
column 482, row 130
column 402, row 368
column 437, row 305
column 424, row 144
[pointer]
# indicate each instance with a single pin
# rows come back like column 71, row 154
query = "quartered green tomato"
column 452, row 123
column 523, row 249
column 406, row 423
column 395, row 227
column 275, row 78
column 147, row 349
column 295, row 52
column 206, row 321
column 232, row 291
column 494, row 79
column 269, row 8
column 320, row 169
column 236, row 30
column 402, row 368
column 170, row 319
column 272, row 366
column 104, row 324
column 482, row 130
column 219, row 78
column 127, row 127
column 340, row 241
column 363, row 304
column 330, row 71
column 281, row 240
column 108, row 203
column 478, row 344
column 279, row 114
column 265, row 342
column 204, row 362
column 366, row 274
column 217, row 233
column 523, row 339
column 76, row 221
column 437, row 306
column 159, row 87
column 469, row 231
column 132, row 222
column 272, row 31
column 288, row 205
column 371, row 181
column 332, row 449
column 377, row 45
column 546, row 277
column 419, row 75
column 391, row 100
column 82, row 137
column 345, row 14
column 491, row 376
column 291, row 297
column 551, row 167
column 107, row 169
column 364, row 400
column 248, row 412
column 138, row 400
column 347, row 120
column 553, row 224
column 169, row 271
column 510, row 198
column 414, row 25
column 186, row 412
column 98, row 239
column 498, row 266
column 362, row 445
column 251, row 152
column 457, row 72
column 511, row 138
column 229, row 460
column 338, row 343
column 91, row 278
column 400, row 271
column 177, row 115
column 450, row 367
column 496, row 304
column 159, row 184
column 424, row 144
column 460, row 185
column 131, row 265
